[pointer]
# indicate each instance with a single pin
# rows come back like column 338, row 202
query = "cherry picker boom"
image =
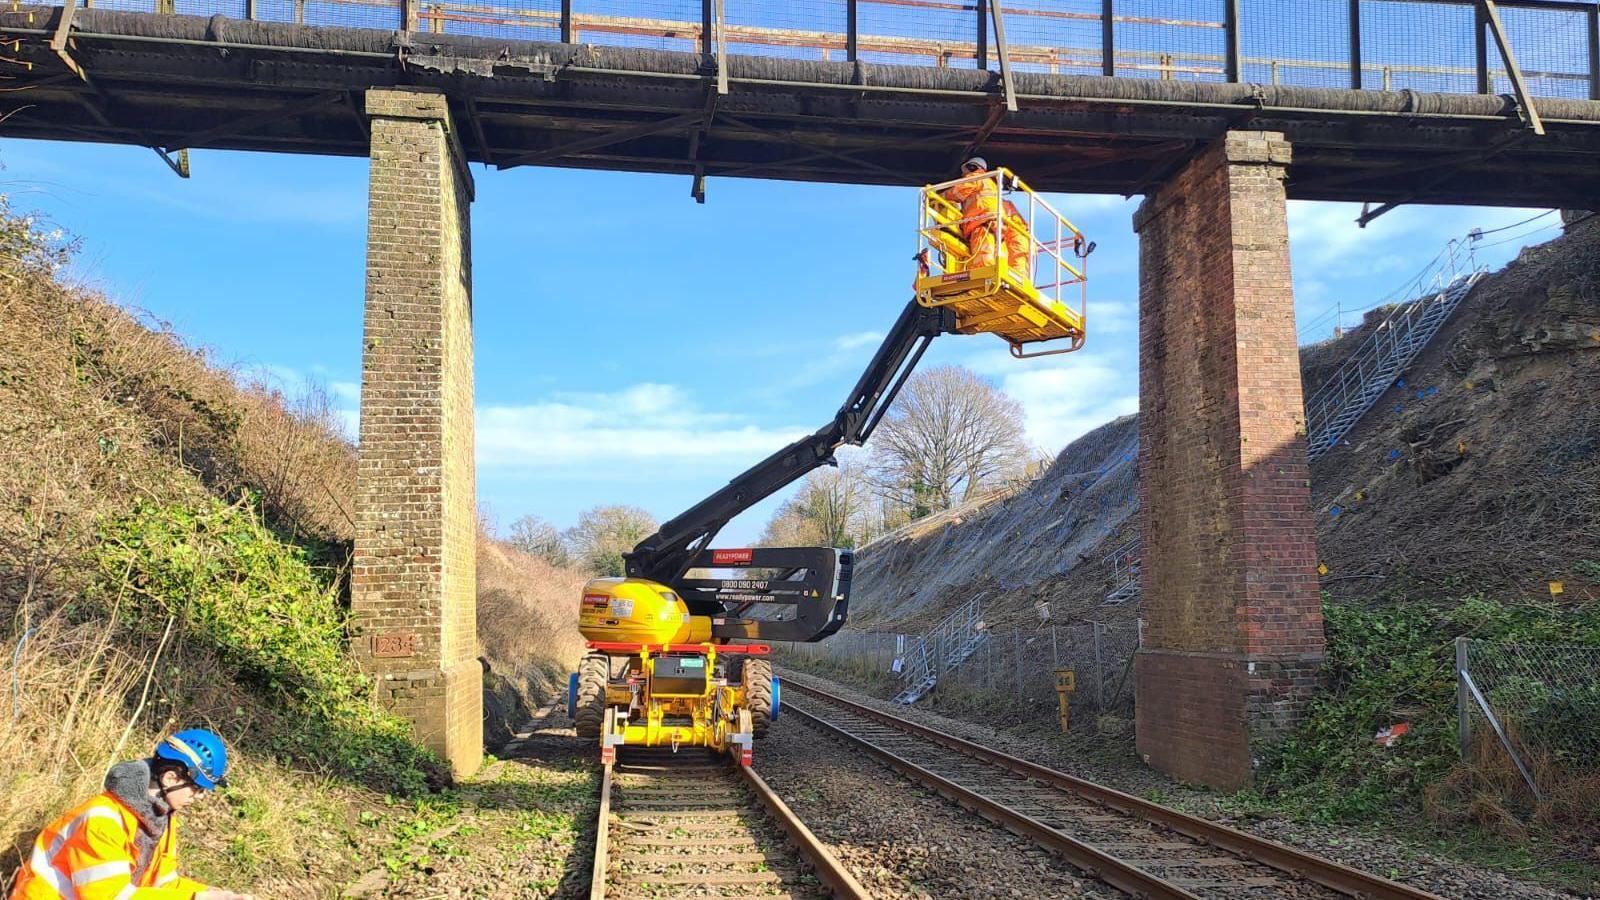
column 678, row 656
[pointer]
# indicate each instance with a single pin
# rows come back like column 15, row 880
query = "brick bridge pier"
column 414, row 591
column 1234, row 636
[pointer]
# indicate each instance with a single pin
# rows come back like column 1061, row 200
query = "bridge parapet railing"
column 1433, row 46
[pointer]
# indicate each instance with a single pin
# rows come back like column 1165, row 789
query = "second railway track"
column 691, row 824
column 1140, row 847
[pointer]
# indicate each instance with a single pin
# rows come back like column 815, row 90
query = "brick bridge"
column 1215, row 110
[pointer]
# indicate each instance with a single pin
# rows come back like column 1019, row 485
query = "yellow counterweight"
column 636, row 610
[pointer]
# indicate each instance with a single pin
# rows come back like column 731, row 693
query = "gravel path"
column 1381, row 853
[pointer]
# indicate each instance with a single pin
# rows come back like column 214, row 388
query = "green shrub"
column 258, row 604
column 1389, row 662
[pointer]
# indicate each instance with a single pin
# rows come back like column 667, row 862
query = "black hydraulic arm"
column 669, row 553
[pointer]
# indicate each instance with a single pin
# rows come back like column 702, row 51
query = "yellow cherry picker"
column 678, row 653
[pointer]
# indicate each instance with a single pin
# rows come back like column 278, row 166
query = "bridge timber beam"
column 164, row 80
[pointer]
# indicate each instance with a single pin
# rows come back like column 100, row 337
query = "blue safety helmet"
column 201, row 752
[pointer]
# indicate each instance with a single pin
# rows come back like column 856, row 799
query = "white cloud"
column 1064, row 401
column 859, row 339
column 643, row 422
column 1112, row 317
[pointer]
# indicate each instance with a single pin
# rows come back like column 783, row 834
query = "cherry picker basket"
column 1004, row 260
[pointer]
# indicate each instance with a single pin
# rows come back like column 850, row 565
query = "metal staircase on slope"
column 1124, row 564
column 940, row 650
column 1372, row 369
column 1341, row 402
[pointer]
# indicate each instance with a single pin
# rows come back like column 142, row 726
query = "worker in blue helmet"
column 122, row 844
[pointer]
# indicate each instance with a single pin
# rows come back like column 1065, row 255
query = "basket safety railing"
column 999, row 221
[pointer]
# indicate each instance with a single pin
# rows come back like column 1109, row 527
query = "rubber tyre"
column 757, row 678
column 593, row 673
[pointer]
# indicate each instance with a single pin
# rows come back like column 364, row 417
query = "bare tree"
column 604, row 533
column 831, row 509
column 535, row 536
column 948, row 435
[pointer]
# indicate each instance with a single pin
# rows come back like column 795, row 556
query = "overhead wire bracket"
column 63, row 33
column 1525, row 107
column 1004, row 52
column 179, row 165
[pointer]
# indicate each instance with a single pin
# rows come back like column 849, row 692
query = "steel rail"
column 1090, row 859
column 827, row 867
column 602, row 838
column 1337, row 876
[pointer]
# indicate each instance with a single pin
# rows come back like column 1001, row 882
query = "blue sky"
column 632, row 346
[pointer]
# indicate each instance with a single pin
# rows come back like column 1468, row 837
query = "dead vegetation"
column 528, row 629
column 102, row 413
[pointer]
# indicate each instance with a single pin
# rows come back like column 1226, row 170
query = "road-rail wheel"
column 757, row 678
column 593, row 673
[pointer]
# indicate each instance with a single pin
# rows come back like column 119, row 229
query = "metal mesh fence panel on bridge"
column 918, row 33
column 1176, row 41
column 1420, row 45
column 1059, row 37
column 1552, row 48
column 1534, row 706
column 1305, row 43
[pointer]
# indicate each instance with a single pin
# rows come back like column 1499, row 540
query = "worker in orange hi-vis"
column 122, row 844
column 1018, row 241
column 978, row 200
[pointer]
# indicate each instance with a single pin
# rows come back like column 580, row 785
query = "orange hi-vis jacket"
column 92, row 852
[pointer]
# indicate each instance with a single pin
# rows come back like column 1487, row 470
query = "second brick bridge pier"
column 1234, row 637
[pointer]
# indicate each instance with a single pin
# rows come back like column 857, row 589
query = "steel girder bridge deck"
column 171, row 81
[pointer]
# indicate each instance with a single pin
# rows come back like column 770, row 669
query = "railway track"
column 1142, row 848
column 691, row 824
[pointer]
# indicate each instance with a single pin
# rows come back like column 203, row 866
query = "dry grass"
column 98, row 409
column 67, row 691
column 1487, row 790
column 527, row 627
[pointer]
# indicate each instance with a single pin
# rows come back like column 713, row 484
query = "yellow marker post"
column 1556, row 588
column 1066, row 684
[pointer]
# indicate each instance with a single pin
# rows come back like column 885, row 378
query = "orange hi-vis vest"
column 91, row 852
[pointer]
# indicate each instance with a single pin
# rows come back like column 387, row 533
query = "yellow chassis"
column 637, row 716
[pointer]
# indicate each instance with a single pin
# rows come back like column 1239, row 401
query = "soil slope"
column 1477, row 469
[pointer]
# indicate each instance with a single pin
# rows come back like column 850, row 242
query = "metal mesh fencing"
column 1305, row 43
column 647, row 24
column 1421, row 45
column 1010, row 677
column 1418, row 45
column 1060, row 37
column 1539, row 704
column 536, row 20
column 919, row 32
column 803, row 29
column 1173, row 41
column 1552, row 50
column 860, row 656
column 1013, row 673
